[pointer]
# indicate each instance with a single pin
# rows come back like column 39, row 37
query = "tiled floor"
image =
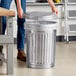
column 65, row 64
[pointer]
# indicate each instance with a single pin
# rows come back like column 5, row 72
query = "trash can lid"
column 52, row 17
column 37, row 15
column 41, row 25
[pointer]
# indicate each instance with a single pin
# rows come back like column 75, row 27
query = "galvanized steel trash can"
column 40, row 43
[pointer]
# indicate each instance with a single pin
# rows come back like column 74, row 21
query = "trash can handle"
column 30, row 33
column 25, row 15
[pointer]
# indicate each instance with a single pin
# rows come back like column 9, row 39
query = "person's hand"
column 20, row 12
column 54, row 9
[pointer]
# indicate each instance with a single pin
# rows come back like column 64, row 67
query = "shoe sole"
column 20, row 59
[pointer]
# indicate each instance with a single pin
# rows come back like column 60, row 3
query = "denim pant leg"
column 4, row 4
column 21, row 29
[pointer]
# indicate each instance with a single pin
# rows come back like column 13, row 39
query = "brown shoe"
column 21, row 55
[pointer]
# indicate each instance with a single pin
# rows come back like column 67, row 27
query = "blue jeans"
column 20, row 23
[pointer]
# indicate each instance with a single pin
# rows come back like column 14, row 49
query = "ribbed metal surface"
column 39, row 49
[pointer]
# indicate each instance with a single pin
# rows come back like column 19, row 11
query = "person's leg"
column 5, row 4
column 21, row 34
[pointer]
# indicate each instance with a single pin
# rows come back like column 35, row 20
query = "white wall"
column 13, row 7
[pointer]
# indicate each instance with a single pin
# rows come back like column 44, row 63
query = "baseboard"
column 58, row 39
column 61, row 38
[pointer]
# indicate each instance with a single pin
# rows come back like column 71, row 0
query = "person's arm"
column 53, row 6
column 19, row 9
